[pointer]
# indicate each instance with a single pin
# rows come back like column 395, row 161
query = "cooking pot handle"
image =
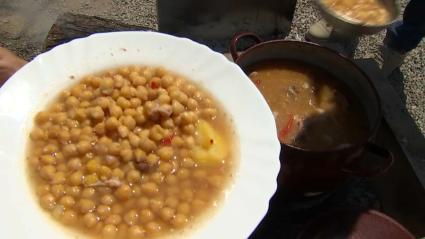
column 237, row 37
column 384, row 165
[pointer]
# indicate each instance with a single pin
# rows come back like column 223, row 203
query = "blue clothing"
column 406, row 35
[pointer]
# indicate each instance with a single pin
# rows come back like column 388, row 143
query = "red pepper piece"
column 257, row 82
column 154, row 85
column 166, row 141
column 288, row 127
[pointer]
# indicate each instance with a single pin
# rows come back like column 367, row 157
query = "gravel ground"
column 25, row 23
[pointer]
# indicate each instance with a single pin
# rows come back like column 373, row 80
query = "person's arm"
column 9, row 64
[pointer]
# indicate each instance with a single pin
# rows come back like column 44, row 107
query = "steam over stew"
column 311, row 110
column 135, row 152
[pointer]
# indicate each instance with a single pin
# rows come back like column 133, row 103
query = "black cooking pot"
column 308, row 171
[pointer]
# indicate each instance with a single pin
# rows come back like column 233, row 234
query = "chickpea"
column 187, row 162
column 167, row 81
column 93, row 166
column 103, row 102
column 186, row 195
column 152, row 159
column 38, row 134
column 166, row 168
column 107, row 199
column 91, row 179
column 58, row 211
column 142, row 93
column 123, row 192
column 83, row 146
column 115, row 111
column 146, row 215
column 188, row 117
column 177, row 141
column 156, row 204
column 172, row 202
column 58, row 177
column 90, row 220
column 118, row 173
column 150, row 188
column 192, row 104
column 47, row 172
column 139, row 155
column 69, row 217
column 143, row 202
column 126, row 154
column 164, row 99
column 133, row 176
column 73, row 191
column 48, row 159
column 109, row 231
column 86, row 205
column 113, row 219
column 189, row 142
column 123, row 102
column 43, row 189
column 128, row 122
column 75, row 134
column 136, row 79
column 165, row 153
column 58, row 190
column 189, row 129
column 100, row 128
column 135, row 232
column 131, row 217
column 70, row 150
column 103, row 210
column 179, row 220
column 166, row 213
column 153, row 227
column 112, row 123
column 147, row 145
column 157, row 177
column 96, row 113
column 123, row 131
column 167, row 124
column 88, row 192
column 48, row 201
column 209, row 113
column 183, row 208
column 42, row 117
column 200, row 174
column 178, row 108
column 171, row 179
column 198, row 205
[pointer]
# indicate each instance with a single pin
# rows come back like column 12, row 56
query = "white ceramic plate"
column 29, row 90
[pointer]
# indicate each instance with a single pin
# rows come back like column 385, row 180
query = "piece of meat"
column 112, row 182
column 142, row 166
column 158, row 111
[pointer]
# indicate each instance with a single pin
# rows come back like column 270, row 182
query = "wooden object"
column 69, row 26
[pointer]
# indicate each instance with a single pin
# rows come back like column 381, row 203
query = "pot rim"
column 374, row 125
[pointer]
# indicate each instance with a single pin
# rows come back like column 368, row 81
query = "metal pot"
column 355, row 224
column 308, row 171
column 355, row 28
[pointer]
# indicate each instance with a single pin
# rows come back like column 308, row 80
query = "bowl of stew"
column 326, row 109
column 134, row 135
column 360, row 16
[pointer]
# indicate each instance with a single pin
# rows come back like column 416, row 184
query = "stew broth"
column 311, row 110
